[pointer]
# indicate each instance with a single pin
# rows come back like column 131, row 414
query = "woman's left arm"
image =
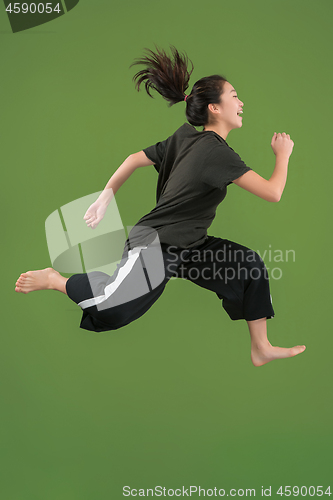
column 96, row 211
column 126, row 169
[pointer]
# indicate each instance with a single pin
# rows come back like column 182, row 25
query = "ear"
column 213, row 108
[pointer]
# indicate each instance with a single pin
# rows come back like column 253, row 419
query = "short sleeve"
column 222, row 166
column 156, row 153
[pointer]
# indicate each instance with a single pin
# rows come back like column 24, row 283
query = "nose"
column 241, row 103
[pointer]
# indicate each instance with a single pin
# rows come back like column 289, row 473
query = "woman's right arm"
column 96, row 211
column 272, row 189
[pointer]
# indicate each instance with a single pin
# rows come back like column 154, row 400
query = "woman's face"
column 229, row 110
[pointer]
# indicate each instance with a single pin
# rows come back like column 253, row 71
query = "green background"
column 173, row 398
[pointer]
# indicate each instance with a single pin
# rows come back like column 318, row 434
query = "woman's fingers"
column 93, row 221
column 93, row 224
column 87, row 215
column 91, row 217
column 281, row 134
column 90, row 220
column 281, row 142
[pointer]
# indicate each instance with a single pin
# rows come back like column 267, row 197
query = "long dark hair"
column 170, row 76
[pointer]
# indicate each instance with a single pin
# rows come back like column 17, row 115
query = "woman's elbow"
column 275, row 197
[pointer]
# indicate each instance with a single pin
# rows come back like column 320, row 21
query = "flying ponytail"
column 170, row 78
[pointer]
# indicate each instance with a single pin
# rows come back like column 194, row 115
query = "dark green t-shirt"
column 194, row 171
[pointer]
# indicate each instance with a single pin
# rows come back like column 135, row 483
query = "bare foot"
column 262, row 355
column 45, row 279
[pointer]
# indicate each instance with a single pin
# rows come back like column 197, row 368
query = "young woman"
column 195, row 168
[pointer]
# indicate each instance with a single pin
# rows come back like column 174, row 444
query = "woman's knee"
column 250, row 266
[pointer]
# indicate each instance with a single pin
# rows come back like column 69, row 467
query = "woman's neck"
column 220, row 129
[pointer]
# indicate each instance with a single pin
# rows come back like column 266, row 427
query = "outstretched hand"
column 282, row 144
column 95, row 214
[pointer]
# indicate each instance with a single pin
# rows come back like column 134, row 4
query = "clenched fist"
column 282, row 144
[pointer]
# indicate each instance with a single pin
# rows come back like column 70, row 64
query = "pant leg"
column 111, row 302
column 113, row 317
column 235, row 273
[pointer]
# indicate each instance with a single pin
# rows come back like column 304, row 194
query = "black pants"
column 235, row 273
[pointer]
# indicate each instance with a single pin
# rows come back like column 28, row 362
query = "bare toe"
column 262, row 356
column 35, row 280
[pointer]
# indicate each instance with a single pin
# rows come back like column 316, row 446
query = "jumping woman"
column 194, row 169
